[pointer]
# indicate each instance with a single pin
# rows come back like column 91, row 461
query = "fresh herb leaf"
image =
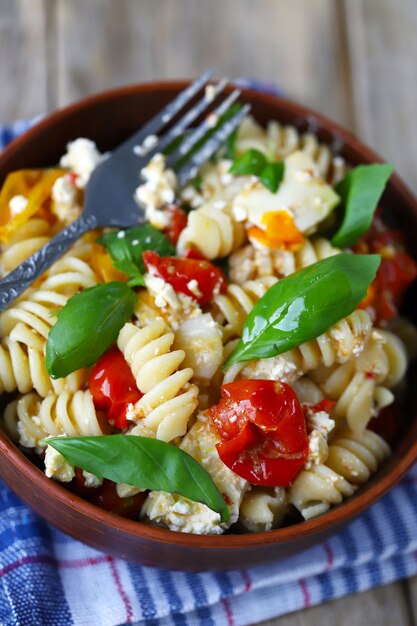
column 87, row 326
column 253, row 162
column 142, row 462
column 126, row 247
column 360, row 191
column 250, row 162
column 197, row 183
column 304, row 305
column 230, row 145
column 272, row 175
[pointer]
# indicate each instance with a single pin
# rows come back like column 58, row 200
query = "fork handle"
column 12, row 285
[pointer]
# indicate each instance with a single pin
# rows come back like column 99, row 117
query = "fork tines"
column 212, row 132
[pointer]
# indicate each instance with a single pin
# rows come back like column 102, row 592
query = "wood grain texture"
column 104, row 43
column 383, row 57
column 384, row 606
column 23, row 73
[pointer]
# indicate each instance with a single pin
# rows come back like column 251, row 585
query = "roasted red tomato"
column 195, row 278
column 113, row 387
column 177, row 223
column 106, row 498
column 263, row 431
column 387, row 423
column 395, row 274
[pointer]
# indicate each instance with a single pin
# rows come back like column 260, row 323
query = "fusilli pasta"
column 263, row 509
column 232, row 308
column 212, row 231
column 255, row 261
column 31, row 418
column 352, row 459
column 279, row 141
column 169, row 398
column 26, row 239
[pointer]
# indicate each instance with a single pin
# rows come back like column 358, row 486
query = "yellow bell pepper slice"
column 102, row 264
column 36, row 186
column 280, row 231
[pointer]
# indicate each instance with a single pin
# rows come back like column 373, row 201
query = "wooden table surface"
column 353, row 60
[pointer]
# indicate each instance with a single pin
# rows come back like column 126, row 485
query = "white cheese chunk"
column 303, row 193
column 57, row 467
column 183, row 515
column 82, row 157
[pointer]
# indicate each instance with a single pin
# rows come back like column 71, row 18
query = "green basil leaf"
column 272, row 175
column 197, row 183
column 230, row 145
column 250, row 162
column 143, row 462
column 126, row 247
column 303, row 305
column 360, row 191
column 87, row 326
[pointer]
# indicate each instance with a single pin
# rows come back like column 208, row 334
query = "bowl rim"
column 336, row 516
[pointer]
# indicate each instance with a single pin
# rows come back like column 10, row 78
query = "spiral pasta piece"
column 351, row 460
column 361, row 387
column 232, row 308
column 212, row 231
column 278, row 141
column 31, row 418
column 342, row 341
column 169, row 398
column 356, row 457
column 63, row 280
column 263, row 509
column 23, row 242
column 22, row 365
column 254, row 261
column 338, row 344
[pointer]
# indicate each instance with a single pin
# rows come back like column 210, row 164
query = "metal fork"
column 109, row 195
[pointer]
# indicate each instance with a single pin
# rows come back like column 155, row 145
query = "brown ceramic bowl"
column 108, row 118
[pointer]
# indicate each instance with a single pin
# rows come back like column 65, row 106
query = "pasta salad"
column 232, row 363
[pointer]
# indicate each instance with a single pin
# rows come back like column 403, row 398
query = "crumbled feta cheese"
column 82, row 157
column 239, row 213
column 191, row 196
column 210, row 93
column 57, row 467
column 148, row 143
column 175, row 307
column 90, row 480
column 319, row 426
column 17, row 204
column 303, row 193
column 64, row 199
column 183, row 515
column 272, row 368
column 212, row 120
column 194, row 288
column 157, row 191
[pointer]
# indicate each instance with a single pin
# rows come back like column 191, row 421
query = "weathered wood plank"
column 104, row 43
column 383, row 57
column 411, row 593
column 22, row 54
column 384, row 606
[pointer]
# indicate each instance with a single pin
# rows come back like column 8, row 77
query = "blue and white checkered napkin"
column 48, row 579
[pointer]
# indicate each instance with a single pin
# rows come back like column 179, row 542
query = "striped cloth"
column 48, row 579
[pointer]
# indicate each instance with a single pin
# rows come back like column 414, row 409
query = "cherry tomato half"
column 106, row 498
column 263, row 431
column 113, row 387
column 180, row 272
column 177, row 223
column 395, row 274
